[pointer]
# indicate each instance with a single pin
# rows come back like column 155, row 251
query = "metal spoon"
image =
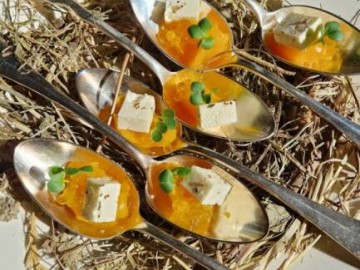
column 343, row 229
column 32, row 159
column 346, row 126
column 96, row 89
column 348, row 48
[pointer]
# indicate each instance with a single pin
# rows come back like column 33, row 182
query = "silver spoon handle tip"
column 197, row 256
column 343, row 229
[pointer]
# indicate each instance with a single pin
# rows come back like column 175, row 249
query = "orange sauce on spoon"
column 67, row 206
column 171, row 140
column 175, row 40
column 180, row 206
column 177, row 92
column 327, row 56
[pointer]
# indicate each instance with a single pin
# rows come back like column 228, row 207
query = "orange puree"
column 73, row 197
column 326, row 56
column 174, row 38
column 143, row 141
column 177, row 92
column 180, row 206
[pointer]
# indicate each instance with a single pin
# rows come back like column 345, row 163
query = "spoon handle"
column 345, row 125
column 343, row 229
column 197, row 256
column 39, row 85
column 143, row 55
column 258, row 10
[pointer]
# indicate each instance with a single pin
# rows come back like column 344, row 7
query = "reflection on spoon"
column 44, row 153
column 96, row 88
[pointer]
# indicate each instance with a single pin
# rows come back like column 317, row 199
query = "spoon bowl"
column 32, row 160
column 325, row 57
column 96, row 89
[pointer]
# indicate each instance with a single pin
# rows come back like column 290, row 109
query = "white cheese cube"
column 136, row 112
column 217, row 114
column 297, row 30
column 207, row 186
column 182, row 9
column 101, row 200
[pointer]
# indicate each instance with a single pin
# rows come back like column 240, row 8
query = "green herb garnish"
column 332, row 30
column 57, row 176
column 166, row 177
column 200, row 32
column 166, row 123
column 198, row 95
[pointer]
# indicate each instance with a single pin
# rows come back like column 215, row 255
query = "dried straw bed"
column 306, row 154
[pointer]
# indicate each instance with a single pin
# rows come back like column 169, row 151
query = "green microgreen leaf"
column 336, row 35
column 55, row 186
column 205, row 25
column 72, row 171
column 183, row 171
column 55, row 170
column 156, row 135
column 167, row 122
column 87, row 169
column 332, row 30
column 195, row 32
column 161, row 127
column 196, row 99
column 207, row 43
column 206, row 98
column 166, row 178
column 198, row 95
column 170, row 123
column 197, row 87
column 168, row 113
column 200, row 32
column 57, row 177
column 332, row 26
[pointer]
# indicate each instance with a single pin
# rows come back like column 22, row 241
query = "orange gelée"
column 73, row 198
column 170, row 142
column 180, row 206
column 175, row 40
column 327, row 56
column 177, row 92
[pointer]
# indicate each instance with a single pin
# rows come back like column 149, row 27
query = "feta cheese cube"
column 297, row 30
column 101, row 200
column 182, row 9
column 137, row 112
column 217, row 114
column 207, row 186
